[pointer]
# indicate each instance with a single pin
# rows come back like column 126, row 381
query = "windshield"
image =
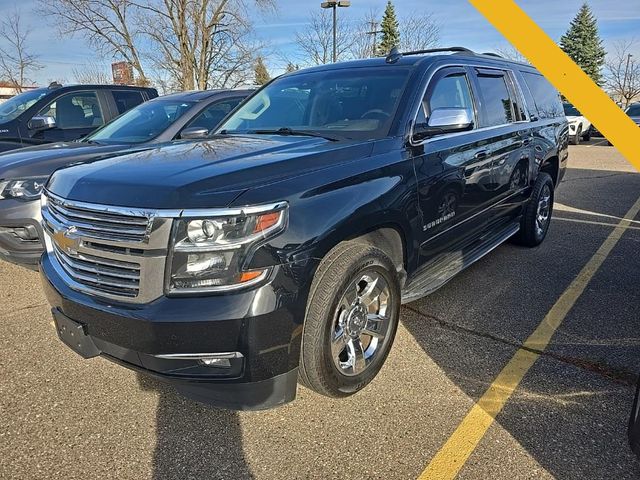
column 571, row 111
column 13, row 107
column 634, row 110
column 142, row 123
column 349, row 103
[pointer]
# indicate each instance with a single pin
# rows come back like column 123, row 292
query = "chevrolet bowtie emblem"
column 66, row 240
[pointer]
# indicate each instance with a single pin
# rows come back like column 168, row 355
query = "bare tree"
column 419, row 32
column 16, row 62
column 366, row 34
column 110, row 26
column 511, row 53
column 93, row 73
column 622, row 73
column 316, row 41
column 203, row 43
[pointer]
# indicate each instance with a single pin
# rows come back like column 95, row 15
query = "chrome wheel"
column 361, row 323
column 543, row 214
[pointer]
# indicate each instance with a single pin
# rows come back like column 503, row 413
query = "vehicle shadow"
column 194, row 441
column 571, row 410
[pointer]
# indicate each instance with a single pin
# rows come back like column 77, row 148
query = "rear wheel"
column 536, row 218
column 351, row 321
column 577, row 137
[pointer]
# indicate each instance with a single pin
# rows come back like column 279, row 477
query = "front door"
column 76, row 115
column 454, row 171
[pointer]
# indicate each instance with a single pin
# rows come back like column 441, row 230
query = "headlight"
column 209, row 254
column 23, row 188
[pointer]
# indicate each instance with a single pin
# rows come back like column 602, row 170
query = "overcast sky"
column 460, row 24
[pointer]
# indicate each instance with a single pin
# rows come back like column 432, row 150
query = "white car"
column 579, row 126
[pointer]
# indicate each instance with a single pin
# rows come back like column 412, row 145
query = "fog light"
column 27, row 233
column 216, row 362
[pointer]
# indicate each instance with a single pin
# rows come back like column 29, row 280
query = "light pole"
column 624, row 80
column 334, row 4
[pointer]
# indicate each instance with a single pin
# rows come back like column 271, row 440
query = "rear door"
column 507, row 136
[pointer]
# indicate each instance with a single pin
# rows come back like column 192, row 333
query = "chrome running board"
column 447, row 265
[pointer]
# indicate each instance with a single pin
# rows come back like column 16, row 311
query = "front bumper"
column 263, row 325
column 16, row 215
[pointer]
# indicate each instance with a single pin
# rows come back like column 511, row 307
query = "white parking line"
column 600, row 142
column 590, row 222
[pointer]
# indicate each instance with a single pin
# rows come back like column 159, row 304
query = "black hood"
column 200, row 174
column 43, row 160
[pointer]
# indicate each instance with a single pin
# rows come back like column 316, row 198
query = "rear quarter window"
column 545, row 96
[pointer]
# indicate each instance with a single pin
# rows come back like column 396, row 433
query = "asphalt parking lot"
column 65, row 418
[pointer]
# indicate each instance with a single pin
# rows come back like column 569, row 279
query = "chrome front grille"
column 101, row 274
column 117, row 253
column 100, row 222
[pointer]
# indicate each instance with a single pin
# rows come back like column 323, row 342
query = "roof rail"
column 395, row 54
column 492, row 54
column 441, row 49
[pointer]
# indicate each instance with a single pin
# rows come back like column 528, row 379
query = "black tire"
column 575, row 140
column 587, row 135
column 338, row 271
column 530, row 234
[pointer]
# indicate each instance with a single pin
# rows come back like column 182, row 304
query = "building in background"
column 122, row 73
column 8, row 90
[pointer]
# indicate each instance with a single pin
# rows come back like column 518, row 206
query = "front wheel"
column 351, row 321
column 536, row 218
column 587, row 135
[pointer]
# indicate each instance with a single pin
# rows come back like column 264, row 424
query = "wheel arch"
column 551, row 166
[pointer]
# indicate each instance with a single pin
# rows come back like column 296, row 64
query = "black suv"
column 58, row 113
column 283, row 247
column 23, row 172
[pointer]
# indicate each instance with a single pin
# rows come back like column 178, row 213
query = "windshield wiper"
column 292, row 132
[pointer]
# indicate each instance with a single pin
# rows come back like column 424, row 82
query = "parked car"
column 633, row 111
column 64, row 113
column 579, row 127
column 23, row 173
column 283, row 247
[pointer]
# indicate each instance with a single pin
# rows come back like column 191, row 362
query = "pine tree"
column 583, row 44
column 261, row 72
column 390, row 30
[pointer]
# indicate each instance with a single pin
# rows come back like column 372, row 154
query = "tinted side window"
column 545, row 96
column 497, row 108
column 451, row 91
column 126, row 100
column 75, row 110
column 213, row 114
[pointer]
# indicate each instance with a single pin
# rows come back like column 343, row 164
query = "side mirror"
column 42, row 123
column 444, row 120
column 192, row 133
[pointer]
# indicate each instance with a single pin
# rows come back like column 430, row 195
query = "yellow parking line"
column 464, row 440
column 566, row 76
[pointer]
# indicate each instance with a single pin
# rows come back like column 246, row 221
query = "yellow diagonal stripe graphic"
column 564, row 74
